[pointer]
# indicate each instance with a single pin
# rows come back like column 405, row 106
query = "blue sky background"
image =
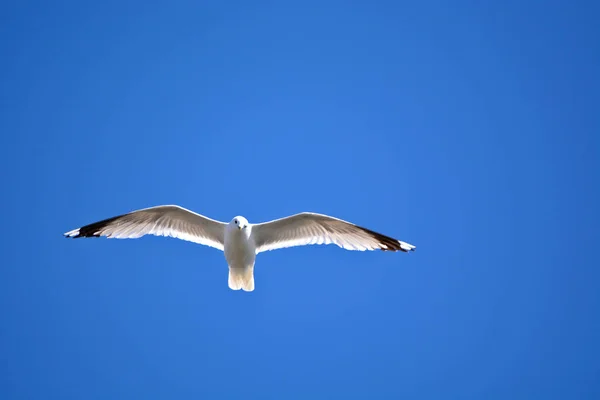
column 470, row 130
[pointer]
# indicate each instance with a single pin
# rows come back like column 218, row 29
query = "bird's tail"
column 241, row 278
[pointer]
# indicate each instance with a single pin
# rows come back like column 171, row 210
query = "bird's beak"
column 240, row 227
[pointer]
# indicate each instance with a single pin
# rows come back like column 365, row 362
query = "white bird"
column 240, row 240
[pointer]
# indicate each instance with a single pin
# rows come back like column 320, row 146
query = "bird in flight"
column 240, row 240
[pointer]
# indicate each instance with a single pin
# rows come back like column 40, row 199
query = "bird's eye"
column 235, row 221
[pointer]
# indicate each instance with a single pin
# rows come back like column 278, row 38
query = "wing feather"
column 312, row 228
column 169, row 220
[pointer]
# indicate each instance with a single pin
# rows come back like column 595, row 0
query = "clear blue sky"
column 469, row 130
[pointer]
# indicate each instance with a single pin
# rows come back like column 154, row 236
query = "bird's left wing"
column 311, row 228
column 173, row 221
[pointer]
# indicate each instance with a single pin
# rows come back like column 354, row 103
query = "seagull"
column 240, row 240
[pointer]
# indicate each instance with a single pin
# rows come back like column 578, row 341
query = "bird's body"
column 239, row 240
column 240, row 254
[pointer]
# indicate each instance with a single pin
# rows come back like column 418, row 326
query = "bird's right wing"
column 173, row 221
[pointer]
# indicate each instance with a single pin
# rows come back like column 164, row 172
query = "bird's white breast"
column 240, row 251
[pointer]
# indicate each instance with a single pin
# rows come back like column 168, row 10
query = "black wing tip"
column 91, row 230
column 388, row 243
column 409, row 249
column 402, row 249
column 396, row 248
column 80, row 235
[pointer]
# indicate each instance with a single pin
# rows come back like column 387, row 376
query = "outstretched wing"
column 170, row 220
column 311, row 228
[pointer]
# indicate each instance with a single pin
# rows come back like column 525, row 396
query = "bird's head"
column 239, row 222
